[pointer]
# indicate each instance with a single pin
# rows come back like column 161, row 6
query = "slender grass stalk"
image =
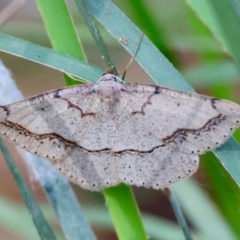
column 180, row 217
column 87, row 16
column 41, row 224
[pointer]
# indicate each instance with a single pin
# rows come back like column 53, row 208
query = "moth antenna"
column 133, row 56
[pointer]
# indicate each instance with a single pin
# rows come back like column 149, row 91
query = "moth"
column 98, row 135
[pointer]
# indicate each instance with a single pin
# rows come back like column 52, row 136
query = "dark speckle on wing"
column 57, row 94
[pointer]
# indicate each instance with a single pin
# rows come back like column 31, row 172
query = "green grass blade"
column 223, row 189
column 61, row 31
column 158, row 67
column 49, row 58
column 229, row 155
column 59, row 25
column 41, row 224
column 124, row 213
column 222, row 18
